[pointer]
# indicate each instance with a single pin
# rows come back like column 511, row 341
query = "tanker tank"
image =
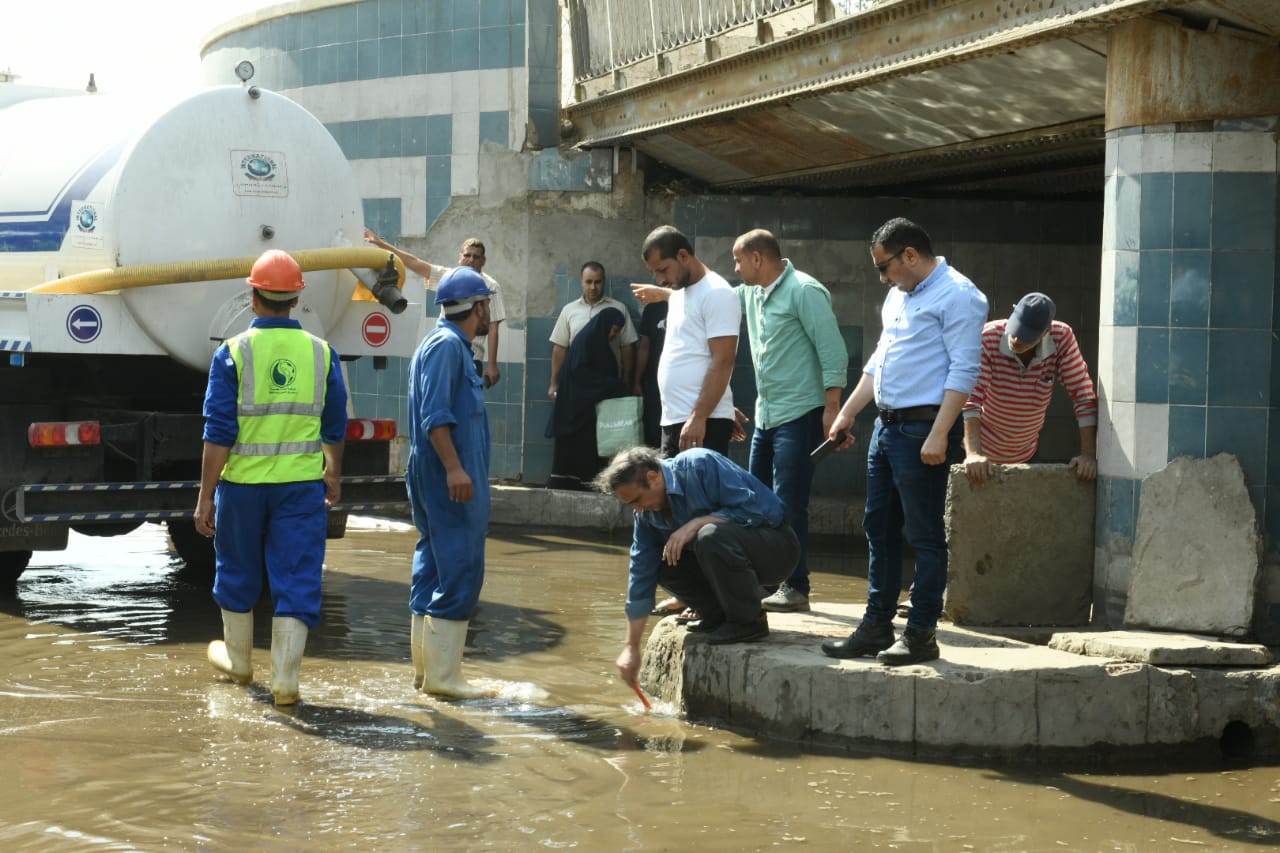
column 127, row 227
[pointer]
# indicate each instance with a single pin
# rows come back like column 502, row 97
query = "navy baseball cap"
column 1031, row 317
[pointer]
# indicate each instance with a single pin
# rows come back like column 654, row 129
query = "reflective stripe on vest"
column 283, row 374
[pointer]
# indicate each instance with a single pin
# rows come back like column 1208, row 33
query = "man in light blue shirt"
column 919, row 376
column 707, row 531
column 800, row 363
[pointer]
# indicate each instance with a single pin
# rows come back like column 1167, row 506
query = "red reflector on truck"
column 64, row 434
column 371, row 429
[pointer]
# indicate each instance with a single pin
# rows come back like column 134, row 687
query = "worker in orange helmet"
column 275, row 423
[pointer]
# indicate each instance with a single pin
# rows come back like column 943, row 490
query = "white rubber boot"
column 232, row 655
column 442, row 651
column 417, row 630
column 288, row 639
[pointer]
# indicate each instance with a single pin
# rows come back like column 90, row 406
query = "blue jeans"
column 780, row 460
column 905, row 494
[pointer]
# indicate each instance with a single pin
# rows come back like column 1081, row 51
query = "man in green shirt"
column 800, row 363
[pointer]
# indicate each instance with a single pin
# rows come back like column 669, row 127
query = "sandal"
column 688, row 615
column 667, row 607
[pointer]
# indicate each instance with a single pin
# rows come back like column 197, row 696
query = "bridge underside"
column 994, row 98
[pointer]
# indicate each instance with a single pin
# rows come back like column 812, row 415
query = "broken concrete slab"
column 1162, row 649
column 1196, row 550
column 1021, row 547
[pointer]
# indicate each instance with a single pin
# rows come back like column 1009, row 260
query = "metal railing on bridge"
column 610, row 34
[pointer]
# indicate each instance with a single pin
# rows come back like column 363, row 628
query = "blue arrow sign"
column 84, row 323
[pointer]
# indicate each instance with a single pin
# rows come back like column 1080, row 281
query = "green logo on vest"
column 283, row 373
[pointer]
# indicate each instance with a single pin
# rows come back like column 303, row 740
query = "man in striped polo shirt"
column 1021, row 359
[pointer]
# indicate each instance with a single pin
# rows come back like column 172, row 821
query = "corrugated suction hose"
column 154, row 275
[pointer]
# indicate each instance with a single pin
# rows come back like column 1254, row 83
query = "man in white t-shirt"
column 484, row 348
column 703, row 320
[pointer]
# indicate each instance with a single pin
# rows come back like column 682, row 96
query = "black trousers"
column 722, row 570
column 717, row 438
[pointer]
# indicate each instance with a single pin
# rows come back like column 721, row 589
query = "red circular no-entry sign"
column 376, row 329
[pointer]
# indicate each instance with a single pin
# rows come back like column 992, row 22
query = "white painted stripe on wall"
column 491, row 90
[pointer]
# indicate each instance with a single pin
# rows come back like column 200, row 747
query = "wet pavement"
column 116, row 734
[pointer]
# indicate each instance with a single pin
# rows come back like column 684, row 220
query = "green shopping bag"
column 619, row 424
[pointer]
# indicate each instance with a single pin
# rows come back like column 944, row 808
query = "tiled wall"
column 1189, row 360
column 420, row 85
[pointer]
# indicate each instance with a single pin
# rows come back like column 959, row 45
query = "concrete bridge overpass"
column 995, row 98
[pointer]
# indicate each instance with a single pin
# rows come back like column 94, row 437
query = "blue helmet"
column 461, row 283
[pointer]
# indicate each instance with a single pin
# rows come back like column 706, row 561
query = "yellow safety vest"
column 282, row 375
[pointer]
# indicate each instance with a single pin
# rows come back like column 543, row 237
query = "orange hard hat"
column 276, row 271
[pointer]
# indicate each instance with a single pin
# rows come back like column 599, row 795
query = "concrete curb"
column 534, row 506
column 989, row 695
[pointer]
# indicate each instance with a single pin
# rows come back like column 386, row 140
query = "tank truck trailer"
column 126, row 231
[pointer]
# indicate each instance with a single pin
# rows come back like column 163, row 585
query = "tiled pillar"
column 1189, row 356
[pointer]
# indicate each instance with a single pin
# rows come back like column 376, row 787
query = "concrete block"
column 981, row 708
column 883, row 699
column 1196, row 550
column 1090, row 704
column 1173, row 706
column 773, row 688
column 1021, row 547
column 1162, row 649
column 1225, row 696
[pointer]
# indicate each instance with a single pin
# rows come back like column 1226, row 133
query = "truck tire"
column 13, row 564
column 195, row 550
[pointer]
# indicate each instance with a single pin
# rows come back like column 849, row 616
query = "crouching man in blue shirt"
column 707, row 531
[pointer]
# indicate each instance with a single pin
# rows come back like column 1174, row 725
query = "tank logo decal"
column 84, row 324
column 43, row 230
column 260, row 173
column 283, row 374
column 86, row 221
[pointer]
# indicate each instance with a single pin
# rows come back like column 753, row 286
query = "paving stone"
column 1162, row 649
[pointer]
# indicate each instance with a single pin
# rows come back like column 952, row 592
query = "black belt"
column 912, row 413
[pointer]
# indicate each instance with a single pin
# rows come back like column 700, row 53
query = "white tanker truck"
column 126, row 231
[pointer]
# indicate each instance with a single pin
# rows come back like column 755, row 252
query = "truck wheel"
column 13, row 564
column 195, row 550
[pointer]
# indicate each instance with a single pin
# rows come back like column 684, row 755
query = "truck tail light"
column 64, row 434
column 371, row 429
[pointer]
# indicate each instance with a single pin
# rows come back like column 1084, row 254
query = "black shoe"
column 704, row 625
column 870, row 638
column 740, row 632
column 916, row 645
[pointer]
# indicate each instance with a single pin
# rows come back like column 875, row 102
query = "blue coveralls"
column 444, row 390
column 276, row 526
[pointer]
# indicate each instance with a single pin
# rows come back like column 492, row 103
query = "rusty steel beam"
column 896, row 40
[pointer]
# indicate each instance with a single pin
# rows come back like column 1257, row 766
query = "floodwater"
column 116, row 735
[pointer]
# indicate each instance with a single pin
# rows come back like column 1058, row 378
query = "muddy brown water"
column 116, row 735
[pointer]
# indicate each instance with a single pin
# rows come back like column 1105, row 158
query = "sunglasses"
column 884, row 265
